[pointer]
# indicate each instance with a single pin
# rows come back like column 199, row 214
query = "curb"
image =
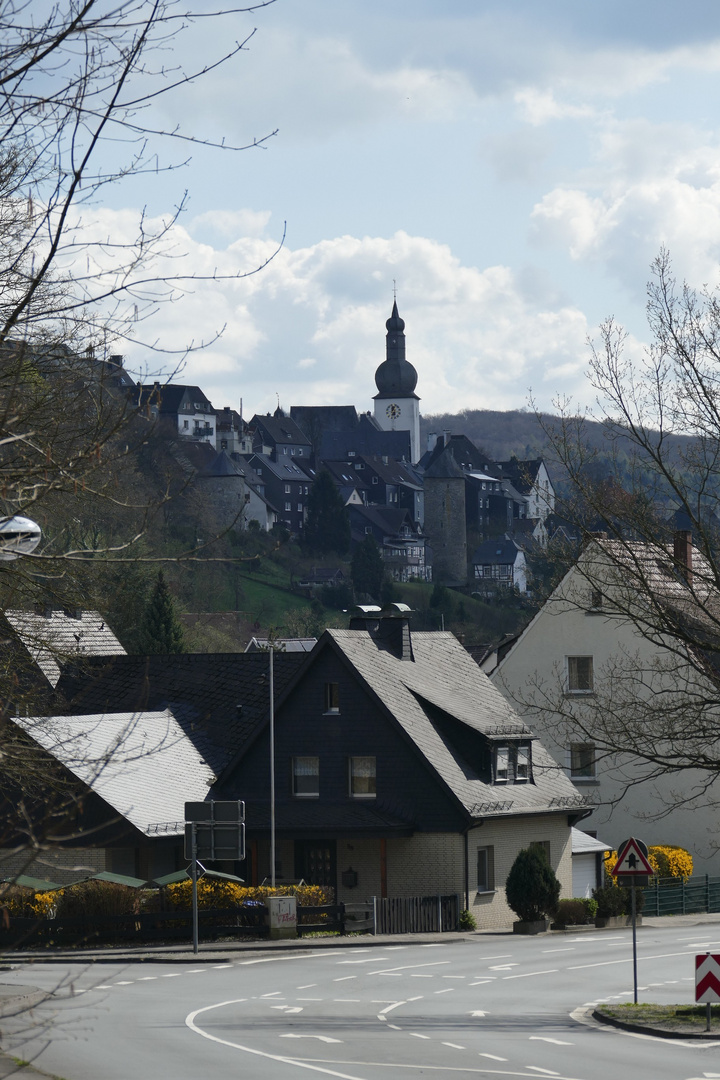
column 647, row 1029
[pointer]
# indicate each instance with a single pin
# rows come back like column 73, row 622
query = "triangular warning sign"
column 632, row 860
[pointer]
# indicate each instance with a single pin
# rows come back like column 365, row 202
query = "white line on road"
column 527, row 974
column 346, row 1001
column 172, row 975
column 124, row 982
column 493, row 1057
column 367, row 960
column 417, row 1035
column 408, row 967
column 454, row 1046
column 194, row 971
column 545, row 1072
column 322, row 1038
column 344, row 978
column 390, row 1008
column 222, row 967
column 448, row 990
column 545, row 1038
column 482, row 982
column 307, row 986
column 569, row 949
column 478, row 1012
column 453, row 976
column 273, row 993
column 147, row 978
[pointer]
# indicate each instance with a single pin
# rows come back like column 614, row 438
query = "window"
column 502, row 763
column 288, row 506
column 363, row 777
column 580, row 674
column 596, row 600
column 332, row 697
column 582, row 761
column 486, row 869
column 306, row 490
column 223, row 444
column 292, row 451
column 299, row 451
column 306, row 776
column 542, row 845
column 522, row 764
column 374, row 479
column 186, row 425
column 300, row 508
column 287, row 489
column 368, row 530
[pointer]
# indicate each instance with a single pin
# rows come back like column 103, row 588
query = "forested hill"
column 501, row 434
column 520, row 432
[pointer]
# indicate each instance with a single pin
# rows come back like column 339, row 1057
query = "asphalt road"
column 494, row 1006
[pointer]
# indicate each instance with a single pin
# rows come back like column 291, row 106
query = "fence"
column 672, row 896
column 416, row 914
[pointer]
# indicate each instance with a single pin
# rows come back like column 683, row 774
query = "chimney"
column 682, row 553
column 446, row 436
column 431, row 440
column 389, row 628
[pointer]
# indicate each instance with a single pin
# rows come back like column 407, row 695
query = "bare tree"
column 645, row 511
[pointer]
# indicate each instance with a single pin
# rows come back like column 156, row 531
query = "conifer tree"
column 328, row 525
column 367, row 568
column 161, row 631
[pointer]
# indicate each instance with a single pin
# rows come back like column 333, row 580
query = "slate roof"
column 522, row 474
column 171, row 397
column 218, row 699
column 281, row 430
column 53, row 638
column 366, row 438
column 583, row 844
column 503, row 552
column 313, row 419
column 140, row 763
column 444, row 677
column 285, row 468
column 293, row 645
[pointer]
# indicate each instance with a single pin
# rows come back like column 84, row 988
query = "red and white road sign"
column 632, row 861
column 707, row 977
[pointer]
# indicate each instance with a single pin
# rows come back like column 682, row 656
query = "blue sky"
column 513, row 166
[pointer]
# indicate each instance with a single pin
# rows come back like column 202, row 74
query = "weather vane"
column 394, row 290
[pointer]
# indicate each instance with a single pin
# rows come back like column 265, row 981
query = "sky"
column 511, row 168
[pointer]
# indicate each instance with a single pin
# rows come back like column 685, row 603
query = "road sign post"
column 213, row 830
column 633, row 869
column 707, row 982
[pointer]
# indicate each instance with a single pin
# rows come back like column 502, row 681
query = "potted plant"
column 532, row 891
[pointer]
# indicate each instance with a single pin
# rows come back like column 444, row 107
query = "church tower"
column 397, row 406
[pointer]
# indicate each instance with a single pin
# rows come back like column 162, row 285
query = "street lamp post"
column 272, row 766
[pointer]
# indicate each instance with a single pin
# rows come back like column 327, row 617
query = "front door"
column 316, row 862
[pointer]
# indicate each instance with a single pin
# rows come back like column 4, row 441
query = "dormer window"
column 512, row 764
column 502, row 764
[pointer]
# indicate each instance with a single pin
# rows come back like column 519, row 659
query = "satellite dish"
column 18, row 536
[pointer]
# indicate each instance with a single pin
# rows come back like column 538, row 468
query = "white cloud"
column 311, row 326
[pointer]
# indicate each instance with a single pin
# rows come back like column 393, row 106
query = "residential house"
column 285, row 485
column 279, row 437
column 583, row 659
column 182, row 410
column 231, row 432
column 51, row 636
column 532, row 480
column 500, row 563
column 402, row 543
column 400, row 769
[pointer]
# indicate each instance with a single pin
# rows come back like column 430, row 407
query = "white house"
column 585, row 676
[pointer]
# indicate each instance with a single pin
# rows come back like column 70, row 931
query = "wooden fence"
column 416, row 914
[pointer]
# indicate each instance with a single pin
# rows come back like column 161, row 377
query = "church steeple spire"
column 396, row 377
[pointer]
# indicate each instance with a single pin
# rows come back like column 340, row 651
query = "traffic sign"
column 707, row 977
column 632, row 860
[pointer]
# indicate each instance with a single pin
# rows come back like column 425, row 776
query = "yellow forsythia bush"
column 669, row 861
column 666, row 861
column 27, row 905
column 213, row 893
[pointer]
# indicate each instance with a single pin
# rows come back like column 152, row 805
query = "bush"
column 531, row 889
column 613, row 901
column 571, row 913
column 98, row 898
column 467, row 920
column 214, row 893
column 672, row 862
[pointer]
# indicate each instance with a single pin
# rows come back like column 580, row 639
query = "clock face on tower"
column 393, row 411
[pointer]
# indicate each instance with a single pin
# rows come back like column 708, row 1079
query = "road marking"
column 545, row 1072
column 383, row 1001
column 309, row 999
column 417, row 1035
column 413, row 976
column 221, row 967
column 493, row 1057
column 500, row 956
column 454, row 1046
column 345, row 978
column 528, row 974
column 556, row 1042
column 194, row 971
column 288, row 1008
column 434, row 945
column 172, row 975
column 570, row 949
column 418, row 998
column 347, row 1001
column 453, row 976
column 503, row 967
column 274, row 993
column 367, row 960
column 104, row 986
column 447, row 990
column 482, row 982
column 408, row 967
column 394, row 1027
column 478, row 1012
column 307, row 986
column 190, row 1023
column 390, row 1008
column 322, row 1038
column 147, row 978
column 124, row 982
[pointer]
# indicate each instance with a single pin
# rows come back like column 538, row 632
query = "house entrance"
column 316, row 861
